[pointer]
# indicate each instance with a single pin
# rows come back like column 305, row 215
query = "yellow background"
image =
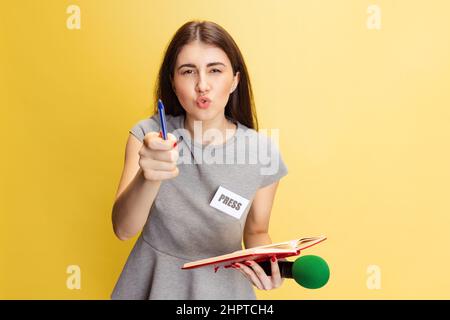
column 363, row 117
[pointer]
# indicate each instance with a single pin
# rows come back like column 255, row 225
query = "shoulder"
column 260, row 139
column 144, row 126
column 263, row 150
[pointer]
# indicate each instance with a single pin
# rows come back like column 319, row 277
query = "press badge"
column 229, row 202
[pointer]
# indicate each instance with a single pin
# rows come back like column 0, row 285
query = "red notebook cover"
column 257, row 254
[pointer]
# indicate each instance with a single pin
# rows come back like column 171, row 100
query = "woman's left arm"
column 256, row 234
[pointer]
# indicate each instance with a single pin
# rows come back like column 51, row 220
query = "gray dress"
column 182, row 225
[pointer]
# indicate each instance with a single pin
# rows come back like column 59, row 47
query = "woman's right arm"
column 146, row 164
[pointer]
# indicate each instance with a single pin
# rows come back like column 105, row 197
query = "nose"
column 203, row 86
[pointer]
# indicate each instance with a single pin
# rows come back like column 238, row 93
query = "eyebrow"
column 211, row 64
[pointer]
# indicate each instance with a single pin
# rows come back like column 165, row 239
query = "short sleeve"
column 143, row 127
column 273, row 167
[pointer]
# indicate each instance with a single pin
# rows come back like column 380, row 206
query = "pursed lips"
column 202, row 99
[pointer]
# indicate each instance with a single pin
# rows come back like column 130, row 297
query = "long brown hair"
column 240, row 106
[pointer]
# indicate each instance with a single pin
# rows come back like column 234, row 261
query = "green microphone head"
column 310, row 271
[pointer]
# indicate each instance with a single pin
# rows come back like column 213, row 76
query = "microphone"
column 311, row 272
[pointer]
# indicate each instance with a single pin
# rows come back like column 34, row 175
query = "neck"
column 213, row 131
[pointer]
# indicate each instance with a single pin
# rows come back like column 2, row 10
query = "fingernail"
column 248, row 263
column 175, row 144
column 160, row 134
column 236, row 266
column 273, row 259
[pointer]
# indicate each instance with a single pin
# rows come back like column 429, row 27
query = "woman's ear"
column 236, row 79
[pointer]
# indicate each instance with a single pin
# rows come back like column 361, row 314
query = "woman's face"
column 203, row 80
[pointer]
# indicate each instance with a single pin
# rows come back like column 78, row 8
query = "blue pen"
column 162, row 119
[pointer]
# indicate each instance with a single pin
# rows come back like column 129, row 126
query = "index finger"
column 275, row 268
column 171, row 137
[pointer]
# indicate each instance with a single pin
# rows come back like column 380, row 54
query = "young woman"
column 204, row 84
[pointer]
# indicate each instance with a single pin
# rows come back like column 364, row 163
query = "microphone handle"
column 285, row 268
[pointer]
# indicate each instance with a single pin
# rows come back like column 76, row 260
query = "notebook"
column 257, row 254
